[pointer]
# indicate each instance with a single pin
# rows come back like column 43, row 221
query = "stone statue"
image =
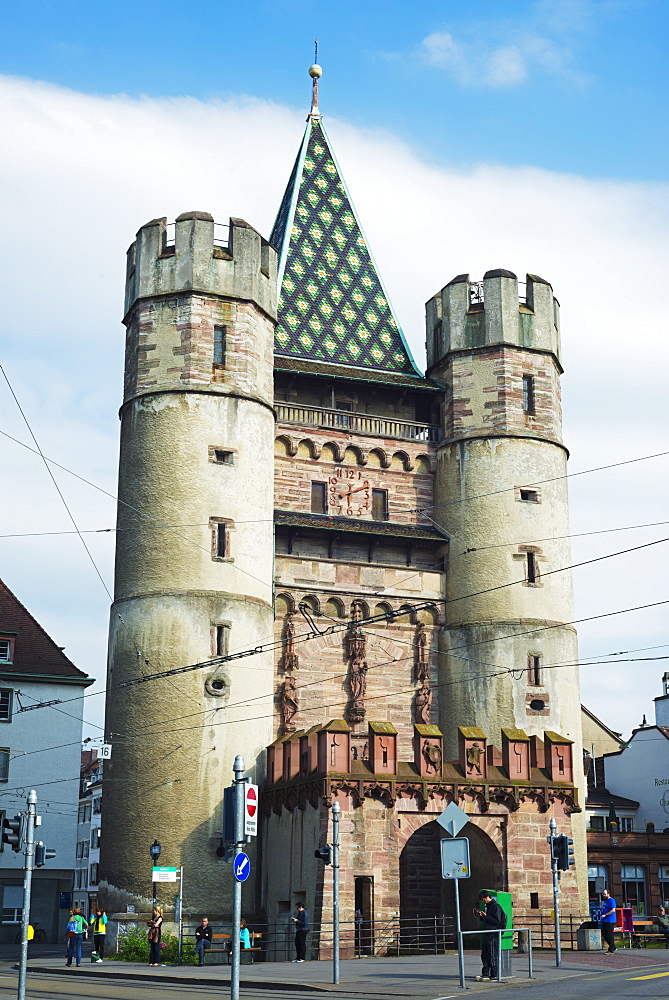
column 356, row 642
column 288, row 703
column 290, row 657
column 423, row 704
column 433, row 755
column 422, row 664
column 474, row 758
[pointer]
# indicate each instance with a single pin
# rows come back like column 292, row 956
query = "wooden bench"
column 641, row 935
column 221, row 943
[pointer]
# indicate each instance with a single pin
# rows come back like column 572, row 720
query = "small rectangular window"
column 221, row 640
column 528, row 393
column 94, row 874
column 220, row 336
column 6, row 700
column 223, row 457
column 221, row 537
column 529, row 496
column 534, row 900
column 597, row 824
column 318, row 498
column 95, row 838
column 532, row 574
column 534, row 670
column 4, row 764
column 12, row 904
column 5, row 651
column 436, row 343
column 380, row 505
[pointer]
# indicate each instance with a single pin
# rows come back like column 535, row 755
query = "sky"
column 528, row 136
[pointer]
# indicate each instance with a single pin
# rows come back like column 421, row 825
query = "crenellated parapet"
column 321, row 765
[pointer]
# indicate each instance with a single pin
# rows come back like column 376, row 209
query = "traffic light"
column 324, row 854
column 43, row 854
column 563, row 853
column 13, row 832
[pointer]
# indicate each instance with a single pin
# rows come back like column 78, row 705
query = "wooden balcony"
column 349, row 422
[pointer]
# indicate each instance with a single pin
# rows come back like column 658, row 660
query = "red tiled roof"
column 35, row 652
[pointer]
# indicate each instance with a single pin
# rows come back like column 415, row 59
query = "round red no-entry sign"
column 251, row 800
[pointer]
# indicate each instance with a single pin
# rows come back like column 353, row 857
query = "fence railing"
column 357, row 423
column 543, row 929
column 415, row 935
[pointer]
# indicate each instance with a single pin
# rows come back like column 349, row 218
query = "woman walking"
column 74, row 933
column 155, row 926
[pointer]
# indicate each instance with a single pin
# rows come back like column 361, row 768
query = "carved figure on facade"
column 422, row 665
column 290, row 658
column 474, row 753
column 433, row 755
column 355, row 644
column 288, row 703
column 423, row 704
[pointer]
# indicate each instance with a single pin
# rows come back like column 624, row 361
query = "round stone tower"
column 194, row 553
column 509, row 647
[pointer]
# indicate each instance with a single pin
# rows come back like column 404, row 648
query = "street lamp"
column 154, row 851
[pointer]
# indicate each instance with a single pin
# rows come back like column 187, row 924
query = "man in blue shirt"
column 301, row 922
column 608, row 920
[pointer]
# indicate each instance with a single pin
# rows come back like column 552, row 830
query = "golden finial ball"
column 315, row 71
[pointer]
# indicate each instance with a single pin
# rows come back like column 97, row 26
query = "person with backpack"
column 492, row 918
column 74, row 932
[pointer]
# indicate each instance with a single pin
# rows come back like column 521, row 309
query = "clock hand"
column 356, row 490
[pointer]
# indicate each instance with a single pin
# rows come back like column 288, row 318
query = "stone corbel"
column 383, row 790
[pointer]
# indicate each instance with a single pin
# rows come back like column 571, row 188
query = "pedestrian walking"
column 301, row 922
column 155, row 927
column 202, row 939
column 608, row 920
column 492, row 918
column 74, row 932
column 99, row 924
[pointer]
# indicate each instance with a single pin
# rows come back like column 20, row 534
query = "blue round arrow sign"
column 241, row 866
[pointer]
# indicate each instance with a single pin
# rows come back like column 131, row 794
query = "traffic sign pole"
column 240, row 809
column 336, row 809
column 458, row 931
column 29, row 854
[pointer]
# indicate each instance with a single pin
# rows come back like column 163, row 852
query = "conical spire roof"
column 333, row 307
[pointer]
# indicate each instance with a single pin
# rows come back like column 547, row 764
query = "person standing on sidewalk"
column 75, row 935
column 301, row 922
column 608, row 920
column 99, row 925
column 492, row 919
column 155, row 929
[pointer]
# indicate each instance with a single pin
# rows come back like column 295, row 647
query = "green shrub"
column 134, row 947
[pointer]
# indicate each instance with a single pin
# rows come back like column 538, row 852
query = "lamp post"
column 154, row 851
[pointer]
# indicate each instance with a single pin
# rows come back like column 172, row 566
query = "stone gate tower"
column 194, row 549
column 501, row 494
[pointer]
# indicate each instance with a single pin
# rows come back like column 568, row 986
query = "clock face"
column 349, row 493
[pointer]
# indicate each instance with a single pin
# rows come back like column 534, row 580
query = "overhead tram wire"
column 266, row 647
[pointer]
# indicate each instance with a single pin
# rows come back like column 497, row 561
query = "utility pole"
column 336, row 810
column 239, row 785
column 556, row 891
column 29, row 855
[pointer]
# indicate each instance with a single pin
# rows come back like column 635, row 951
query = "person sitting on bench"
column 202, row 939
column 662, row 921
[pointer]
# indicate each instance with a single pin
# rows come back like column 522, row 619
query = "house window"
column 12, row 904
column 93, row 878
column 223, row 457
column 532, row 568
column 4, row 764
column 5, row 650
column 529, row 496
column 633, row 878
column 597, row 824
column 528, row 393
column 6, row 699
column 626, row 824
column 220, row 336
column 2, row 826
column 534, row 670
column 95, row 838
column 220, row 538
column 664, row 885
column 318, row 498
column 598, row 880
column 97, row 806
column 380, row 505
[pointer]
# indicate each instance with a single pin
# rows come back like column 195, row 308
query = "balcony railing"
column 357, row 423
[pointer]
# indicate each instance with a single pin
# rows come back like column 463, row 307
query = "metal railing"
column 357, row 423
column 499, row 934
column 394, row 937
column 543, row 928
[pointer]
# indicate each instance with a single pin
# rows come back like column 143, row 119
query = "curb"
column 152, row 977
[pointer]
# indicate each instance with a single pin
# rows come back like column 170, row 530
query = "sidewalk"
column 414, row 976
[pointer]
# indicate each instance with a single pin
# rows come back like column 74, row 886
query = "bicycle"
column 39, row 935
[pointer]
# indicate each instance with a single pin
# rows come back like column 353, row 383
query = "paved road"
column 627, row 975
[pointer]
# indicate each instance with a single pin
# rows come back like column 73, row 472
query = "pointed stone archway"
column 423, row 892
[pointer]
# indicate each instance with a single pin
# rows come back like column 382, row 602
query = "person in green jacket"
column 99, row 924
column 74, row 933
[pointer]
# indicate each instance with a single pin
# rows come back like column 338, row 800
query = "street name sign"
column 163, row 874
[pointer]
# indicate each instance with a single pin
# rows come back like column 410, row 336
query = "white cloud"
column 80, row 174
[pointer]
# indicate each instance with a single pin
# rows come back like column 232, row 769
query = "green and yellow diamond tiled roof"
column 332, row 307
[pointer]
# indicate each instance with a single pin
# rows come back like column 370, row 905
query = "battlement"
column 196, row 259
column 468, row 314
